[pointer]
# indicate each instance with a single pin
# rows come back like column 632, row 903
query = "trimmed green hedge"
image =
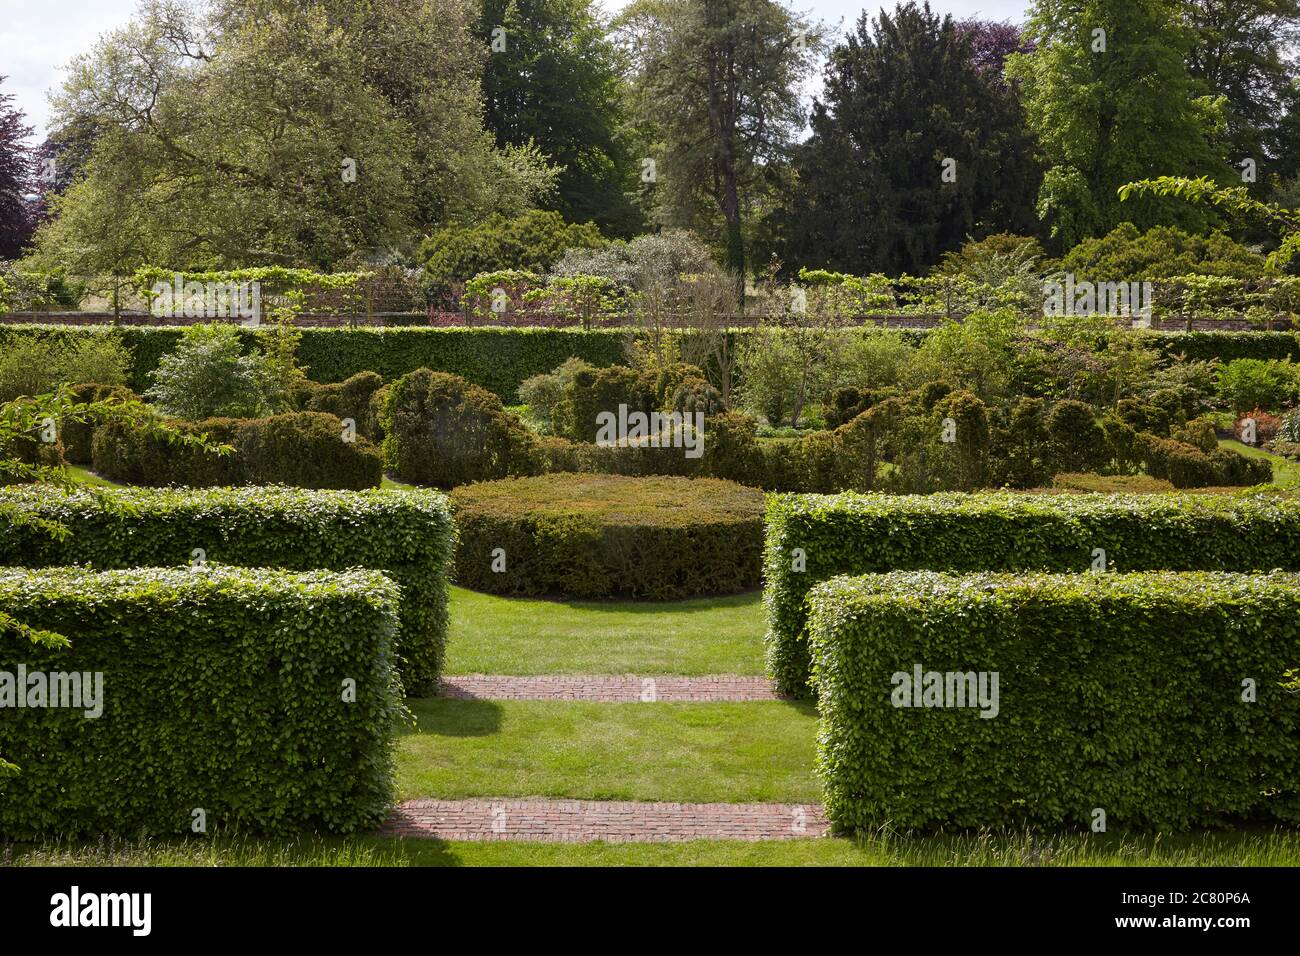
column 499, row 359
column 302, row 449
column 1003, row 531
column 407, row 534
column 593, row 536
column 1118, row 692
column 496, row 358
column 222, row 690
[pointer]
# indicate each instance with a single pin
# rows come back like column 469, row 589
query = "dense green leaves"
column 586, row 536
column 407, row 534
column 1124, row 693
column 860, row 534
column 223, row 690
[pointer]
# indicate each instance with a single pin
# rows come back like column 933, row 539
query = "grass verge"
column 498, row 635
column 687, row 753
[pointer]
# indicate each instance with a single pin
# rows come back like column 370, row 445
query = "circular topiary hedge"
column 597, row 536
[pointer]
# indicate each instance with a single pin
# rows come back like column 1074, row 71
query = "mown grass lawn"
column 1286, row 473
column 688, row 753
column 1204, row 849
column 496, row 635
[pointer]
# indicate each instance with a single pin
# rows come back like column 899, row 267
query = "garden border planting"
column 221, row 698
column 1003, row 531
column 407, row 534
column 1151, row 700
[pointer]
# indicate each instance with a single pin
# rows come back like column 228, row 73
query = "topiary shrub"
column 302, row 449
column 79, row 436
column 306, row 450
column 440, row 430
column 1120, row 691
column 222, row 689
column 589, row 536
column 542, row 394
column 1078, row 442
column 696, row 396
column 347, row 399
column 591, row 392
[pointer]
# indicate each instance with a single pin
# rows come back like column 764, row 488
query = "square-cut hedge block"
column 407, row 534
column 1147, row 700
column 240, row 699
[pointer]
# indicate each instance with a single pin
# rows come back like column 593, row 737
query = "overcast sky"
column 37, row 37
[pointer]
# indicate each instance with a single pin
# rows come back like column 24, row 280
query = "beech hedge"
column 1160, row 699
column 407, row 534
column 221, row 691
column 1004, row 531
column 597, row 536
column 496, row 358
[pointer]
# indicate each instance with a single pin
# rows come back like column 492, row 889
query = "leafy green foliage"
column 902, row 95
column 1158, row 660
column 441, row 430
column 532, row 242
column 1245, row 384
column 864, row 534
column 300, row 449
column 221, row 690
column 587, row 536
column 210, row 376
column 407, row 534
column 1162, row 252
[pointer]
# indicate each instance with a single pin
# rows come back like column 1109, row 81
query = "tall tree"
column 16, row 179
column 271, row 131
column 1246, row 51
column 552, row 78
column 1109, row 96
column 915, row 145
column 720, row 81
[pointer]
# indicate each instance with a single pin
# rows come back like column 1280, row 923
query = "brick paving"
column 610, row 689
column 581, row 821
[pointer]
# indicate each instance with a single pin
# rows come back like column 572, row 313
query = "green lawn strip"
column 87, row 477
column 498, row 635
column 1286, row 473
column 688, row 753
column 1198, row 849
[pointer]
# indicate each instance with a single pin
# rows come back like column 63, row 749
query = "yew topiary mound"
column 599, row 536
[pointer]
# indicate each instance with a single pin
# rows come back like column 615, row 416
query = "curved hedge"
column 1003, row 531
column 595, row 536
column 221, row 691
column 407, row 534
column 1119, row 692
column 303, row 449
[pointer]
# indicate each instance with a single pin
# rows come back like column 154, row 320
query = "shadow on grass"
column 626, row 606
column 453, row 717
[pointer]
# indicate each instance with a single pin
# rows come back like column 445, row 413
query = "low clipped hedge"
column 1116, row 692
column 1003, row 531
column 303, row 449
column 222, row 690
column 78, row 436
column 596, row 536
column 407, row 534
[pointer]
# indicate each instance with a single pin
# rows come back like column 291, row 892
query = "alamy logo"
column 656, row 430
column 38, row 689
column 923, row 688
column 1071, row 297
column 207, row 300
column 72, row 909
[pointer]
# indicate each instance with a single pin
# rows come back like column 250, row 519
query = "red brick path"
column 608, row 689
column 580, row 821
